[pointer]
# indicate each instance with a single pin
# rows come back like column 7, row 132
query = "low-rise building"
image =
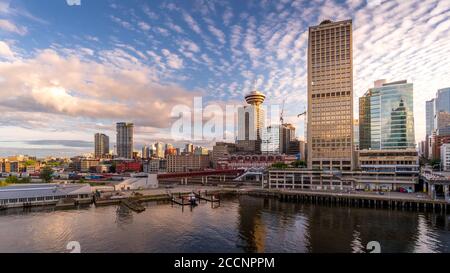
column 237, row 161
column 128, row 166
column 43, row 194
column 185, row 163
column 88, row 164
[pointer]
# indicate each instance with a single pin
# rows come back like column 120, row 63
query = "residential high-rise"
column 330, row 96
column 251, row 123
column 387, row 117
column 101, row 143
column 124, row 141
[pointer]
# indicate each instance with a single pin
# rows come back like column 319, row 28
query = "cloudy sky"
column 70, row 68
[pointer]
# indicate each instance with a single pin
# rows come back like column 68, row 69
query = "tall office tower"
column 429, row 105
column 124, row 139
column 251, row 123
column 330, row 96
column 101, row 143
column 387, row 117
column 146, row 154
column 159, row 150
column 441, row 108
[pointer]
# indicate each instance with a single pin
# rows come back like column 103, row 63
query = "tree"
column 435, row 163
column 46, row 174
column 12, row 179
column 279, row 165
column 298, row 164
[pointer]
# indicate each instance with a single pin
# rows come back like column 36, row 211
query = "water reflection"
column 240, row 224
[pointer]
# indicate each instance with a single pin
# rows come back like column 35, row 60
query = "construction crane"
column 302, row 114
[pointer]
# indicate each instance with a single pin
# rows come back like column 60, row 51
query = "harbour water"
column 239, row 224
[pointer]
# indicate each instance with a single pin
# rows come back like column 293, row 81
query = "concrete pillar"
column 446, row 190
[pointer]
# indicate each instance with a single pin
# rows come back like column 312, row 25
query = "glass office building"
column 386, row 117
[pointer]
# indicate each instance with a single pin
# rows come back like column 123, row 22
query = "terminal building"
column 43, row 194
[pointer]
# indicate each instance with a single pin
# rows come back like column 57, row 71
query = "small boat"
column 3, row 207
column 192, row 199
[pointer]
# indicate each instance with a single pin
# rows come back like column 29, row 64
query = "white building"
column 43, row 194
column 251, row 123
column 141, row 181
column 445, row 157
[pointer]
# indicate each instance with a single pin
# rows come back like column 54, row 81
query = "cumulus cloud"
column 117, row 88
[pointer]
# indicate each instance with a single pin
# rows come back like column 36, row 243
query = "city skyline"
column 164, row 62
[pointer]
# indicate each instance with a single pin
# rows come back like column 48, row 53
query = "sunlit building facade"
column 330, row 96
column 124, row 139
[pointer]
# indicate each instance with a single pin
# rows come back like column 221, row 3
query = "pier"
column 359, row 200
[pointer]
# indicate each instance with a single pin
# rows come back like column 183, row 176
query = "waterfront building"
column 124, row 141
column 43, row 194
column 386, row 117
column 445, row 157
column 186, row 163
column 293, row 178
column 386, row 133
column 251, row 123
column 330, row 96
column 101, row 143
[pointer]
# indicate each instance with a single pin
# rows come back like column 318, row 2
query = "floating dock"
column 208, row 198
